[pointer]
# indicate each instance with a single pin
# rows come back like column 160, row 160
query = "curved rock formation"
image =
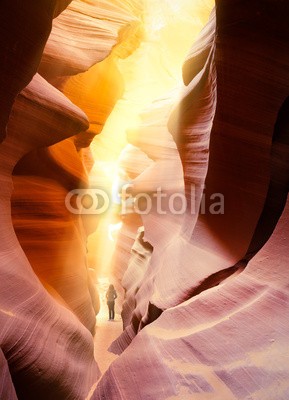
column 167, row 209
column 24, row 30
column 86, row 32
column 165, row 173
column 59, row 348
column 220, row 334
column 52, row 238
column 49, row 353
column 206, row 300
column 133, row 276
column 228, row 343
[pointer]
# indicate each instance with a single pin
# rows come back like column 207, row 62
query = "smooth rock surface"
column 230, row 342
column 48, row 351
column 24, row 30
column 86, row 32
column 213, row 292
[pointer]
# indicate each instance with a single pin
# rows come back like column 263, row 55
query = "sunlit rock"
column 151, row 102
column 214, row 294
column 195, row 245
column 53, row 238
column 161, row 189
column 96, row 91
column 85, row 33
column 133, row 275
column 152, row 189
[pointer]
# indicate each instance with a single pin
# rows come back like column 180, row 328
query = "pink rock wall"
column 230, row 342
column 43, row 342
column 47, row 311
column 206, row 304
column 220, row 334
column 7, row 390
column 166, row 229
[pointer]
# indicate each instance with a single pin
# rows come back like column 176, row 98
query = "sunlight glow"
column 161, row 40
column 112, row 228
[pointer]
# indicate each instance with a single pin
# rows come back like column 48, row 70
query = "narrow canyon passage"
column 144, row 145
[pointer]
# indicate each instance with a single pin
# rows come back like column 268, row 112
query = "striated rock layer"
column 53, row 239
column 48, row 351
column 7, row 390
column 206, row 290
column 166, row 174
column 223, row 301
column 86, row 31
column 170, row 31
column 47, row 310
column 230, row 342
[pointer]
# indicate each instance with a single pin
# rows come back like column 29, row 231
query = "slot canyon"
column 144, row 144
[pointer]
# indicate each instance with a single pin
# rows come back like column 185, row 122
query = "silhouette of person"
column 110, row 297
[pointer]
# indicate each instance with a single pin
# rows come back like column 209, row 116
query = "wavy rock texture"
column 49, row 353
column 131, row 163
column 206, row 293
column 154, row 140
column 7, row 391
column 93, row 37
column 162, row 175
column 86, row 31
column 158, row 84
column 133, row 276
column 24, row 29
column 226, row 342
column 95, row 91
column 166, row 173
column 151, row 74
column 54, row 343
column 53, row 239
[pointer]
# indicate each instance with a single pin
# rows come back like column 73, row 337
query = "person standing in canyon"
column 110, row 297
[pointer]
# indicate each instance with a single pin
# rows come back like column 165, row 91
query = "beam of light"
column 152, row 71
column 112, row 229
